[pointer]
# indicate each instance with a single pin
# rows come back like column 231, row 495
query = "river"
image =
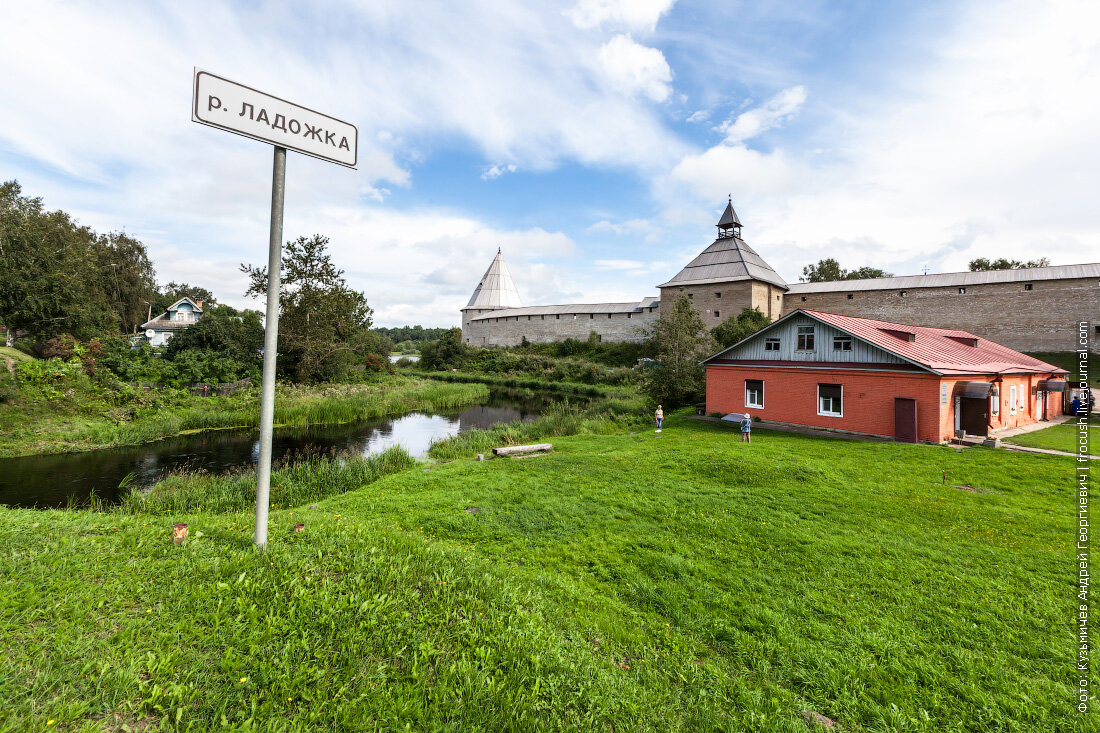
column 57, row 480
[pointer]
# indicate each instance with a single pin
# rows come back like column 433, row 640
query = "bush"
column 62, row 346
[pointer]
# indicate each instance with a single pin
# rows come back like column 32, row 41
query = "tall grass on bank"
column 295, row 482
column 325, row 405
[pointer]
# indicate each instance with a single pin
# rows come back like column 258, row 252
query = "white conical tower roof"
column 496, row 289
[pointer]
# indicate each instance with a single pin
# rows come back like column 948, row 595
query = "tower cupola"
column 729, row 225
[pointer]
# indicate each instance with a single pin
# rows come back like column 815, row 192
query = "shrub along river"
column 63, row 479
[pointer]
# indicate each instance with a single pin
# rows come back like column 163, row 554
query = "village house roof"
column 573, row 309
column 938, row 350
column 728, row 259
column 951, row 279
column 496, row 289
column 164, row 321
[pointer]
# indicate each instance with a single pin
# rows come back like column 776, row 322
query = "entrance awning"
column 1052, row 385
column 976, row 390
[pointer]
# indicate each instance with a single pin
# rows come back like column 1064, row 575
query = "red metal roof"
column 941, row 349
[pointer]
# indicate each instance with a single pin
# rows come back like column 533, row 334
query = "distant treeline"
column 409, row 339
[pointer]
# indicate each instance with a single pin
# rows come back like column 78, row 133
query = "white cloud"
column 987, row 148
column 700, row 115
column 619, row 265
column 772, row 113
column 631, row 226
column 496, row 171
column 635, row 68
column 636, row 15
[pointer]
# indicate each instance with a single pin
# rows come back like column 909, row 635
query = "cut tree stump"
column 518, row 449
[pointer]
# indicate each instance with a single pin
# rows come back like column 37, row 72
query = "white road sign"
column 230, row 106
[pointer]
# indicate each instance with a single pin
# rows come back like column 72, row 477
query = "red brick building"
column 879, row 378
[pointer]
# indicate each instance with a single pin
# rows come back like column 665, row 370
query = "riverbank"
column 628, row 580
column 82, row 423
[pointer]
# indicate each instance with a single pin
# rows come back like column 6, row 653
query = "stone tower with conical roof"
column 496, row 291
column 727, row 277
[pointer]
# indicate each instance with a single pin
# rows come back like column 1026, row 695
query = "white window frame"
column 772, row 340
column 760, row 405
column 995, row 401
column 1012, row 397
column 812, row 338
column 830, row 414
column 842, row 343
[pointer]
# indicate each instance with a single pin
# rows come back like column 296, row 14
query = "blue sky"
column 595, row 141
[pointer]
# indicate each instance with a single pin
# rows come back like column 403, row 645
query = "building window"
column 557, row 316
column 628, row 315
column 754, row 393
column 771, row 344
column 542, row 318
column 803, row 298
column 805, row 338
column 995, row 401
column 691, row 296
column 608, row 315
column 528, row 318
column 591, row 316
column 716, row 314
column 830, row 400
column 717, row 295
column 1012, row 400
column 842, row 343
column 903, row 293
column 962, row 291
column 1027, row 286
column 849, row 296
column 777, row 297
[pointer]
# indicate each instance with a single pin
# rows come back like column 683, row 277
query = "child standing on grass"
column 746, row 428
column 659, row 416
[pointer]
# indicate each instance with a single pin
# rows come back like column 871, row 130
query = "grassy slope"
column 625, row 582
column 84, row 424
column 1060, row 437
column 14, row 353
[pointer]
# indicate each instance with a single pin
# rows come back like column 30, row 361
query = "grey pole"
column 271, row 342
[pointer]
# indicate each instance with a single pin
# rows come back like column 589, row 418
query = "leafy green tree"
column 983, row 264
column 447, row 353
column 681, row 341
column 829, row 270
column 50, row 271
column 222, row 330
column 324, row 326
column 741, row 326
column 128, row 278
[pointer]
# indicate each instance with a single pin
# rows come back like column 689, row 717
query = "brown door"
column 975, row 416
column 905, row 420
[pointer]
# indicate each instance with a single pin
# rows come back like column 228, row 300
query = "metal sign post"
column 286, row 126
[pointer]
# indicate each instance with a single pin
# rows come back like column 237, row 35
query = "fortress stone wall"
column 1030, row 310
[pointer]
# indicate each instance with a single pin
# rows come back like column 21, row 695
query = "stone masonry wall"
column 1043, row 319
column 716, row 302
column 511, row 331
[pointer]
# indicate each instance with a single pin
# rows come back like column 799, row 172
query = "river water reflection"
column 55, row 480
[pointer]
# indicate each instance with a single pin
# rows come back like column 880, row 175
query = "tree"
column 127, row 277
column 829, row 270
column 681, row 342
column 741, row 326
column 51, row 271
column 983, row 264
column 223, row 331
column 324, row 326
column 447, row 353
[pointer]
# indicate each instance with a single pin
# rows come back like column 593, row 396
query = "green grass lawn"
column 14, row 353
column 625, row 582
column 1061, row 437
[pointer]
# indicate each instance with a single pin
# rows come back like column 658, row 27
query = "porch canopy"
column 1052, row 385
column 976, row 390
